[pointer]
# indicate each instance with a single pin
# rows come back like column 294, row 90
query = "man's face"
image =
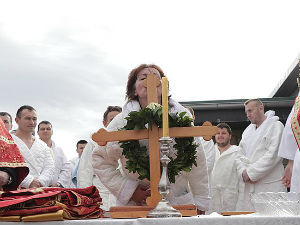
column 7, row 122
column 27, row 122
column 254, row 112
column 45, row 131
column 80, row 148
column 223, row 137
column 110, row 116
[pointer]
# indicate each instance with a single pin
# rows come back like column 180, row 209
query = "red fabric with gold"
column 77, row 203
column 295, row 121
column 10, row 156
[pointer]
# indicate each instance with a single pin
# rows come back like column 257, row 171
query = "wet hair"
column 111, row 109
column 81, row 142
column 256, row 100
column 28, row 107
column 130, row 88
column 6, row 114
column 44, row 122
column 191, row 110
column 225, row 125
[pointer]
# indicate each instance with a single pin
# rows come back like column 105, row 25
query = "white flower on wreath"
column 153, row 105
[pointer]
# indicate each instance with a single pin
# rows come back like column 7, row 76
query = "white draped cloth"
column 189, row 188
column 62, row 173
column 259, row 157
column 86, row 176
column 289, row 149
column 224, row 180
column 39, row 161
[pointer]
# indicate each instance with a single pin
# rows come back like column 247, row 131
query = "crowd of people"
column 222, row 180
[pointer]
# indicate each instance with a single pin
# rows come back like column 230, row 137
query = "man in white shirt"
column 224, row 177
column 258, row 163
column 35, row 152
column 85, row 175
column 62, row 174
column 75, row 162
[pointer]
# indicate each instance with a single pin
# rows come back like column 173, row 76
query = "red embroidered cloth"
column 77, row 203
column 10, row 156
column 295, row 121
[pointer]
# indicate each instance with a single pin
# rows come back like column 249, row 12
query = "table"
column 205, row 220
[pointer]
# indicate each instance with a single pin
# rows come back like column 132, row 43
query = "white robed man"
column 85, row 175
column 289, row 149
column 224, row 178
column 62, row 174
column 75, row 162
column 35, row 152
column 258, row 163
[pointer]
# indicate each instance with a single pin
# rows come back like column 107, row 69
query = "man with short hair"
column 35, row 152
column 258, row 163
column 224, row 178
column 75, row 162
column 62, row 174
column 86, row 176
column 7, row 120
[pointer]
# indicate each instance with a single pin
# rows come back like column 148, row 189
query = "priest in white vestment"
column 289, row 149
column 62, row 175
column 224, row 178
column 258, row 164
column 85, row 175
column 35, row 152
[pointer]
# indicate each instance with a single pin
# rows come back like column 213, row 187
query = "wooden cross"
column 102, row 137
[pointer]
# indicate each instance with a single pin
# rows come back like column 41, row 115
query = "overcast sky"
column 71, row 59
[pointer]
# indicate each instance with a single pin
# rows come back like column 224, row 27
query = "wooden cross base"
column 123, row 212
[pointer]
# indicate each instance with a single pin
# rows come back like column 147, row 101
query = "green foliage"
column 137, row 156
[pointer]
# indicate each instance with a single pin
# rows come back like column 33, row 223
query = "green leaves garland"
column 137, row 156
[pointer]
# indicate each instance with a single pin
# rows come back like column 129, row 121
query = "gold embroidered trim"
column 295, row 123
column 10, row 142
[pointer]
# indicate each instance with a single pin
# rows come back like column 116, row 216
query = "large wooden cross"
column 153, row 134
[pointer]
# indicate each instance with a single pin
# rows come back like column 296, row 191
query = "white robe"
column 289, row 149
column 224, row 180
column 62, row 167
column 210, row 154
column 189, row 188
column 259, row 157
column 39, row 161
column 86, row 176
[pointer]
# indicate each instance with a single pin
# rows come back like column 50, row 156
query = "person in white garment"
column 289, row 149
column 189, row 187
column 85, row 175
column 224, row 177
column 80, row 145
column 7, row 120
column 259, row 166
column 36, row 153
column 62, row 174
column 209, row 148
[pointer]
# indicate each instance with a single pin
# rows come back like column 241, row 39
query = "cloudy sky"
column 71, row 59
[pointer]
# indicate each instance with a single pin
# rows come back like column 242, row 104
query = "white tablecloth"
column 205, row 220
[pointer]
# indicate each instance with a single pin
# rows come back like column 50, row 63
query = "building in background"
column 232, row 112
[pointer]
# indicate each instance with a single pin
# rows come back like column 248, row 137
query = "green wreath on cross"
column 137, row 155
